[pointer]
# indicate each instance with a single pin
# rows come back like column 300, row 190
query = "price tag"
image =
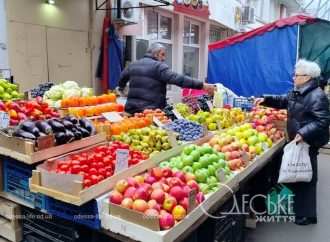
column 177, row 114
column 157, row 122
column 209, row 104
column 221, row 175
column 113, row 117
column 121, row 160
column 172, row 138
column 4, row 120
column 45, row 142
column 192, row 200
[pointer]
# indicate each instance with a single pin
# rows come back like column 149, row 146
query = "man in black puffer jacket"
column 148, row 78
column 308, row 121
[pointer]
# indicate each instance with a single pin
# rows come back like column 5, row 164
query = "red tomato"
column 102, row 171
column 101, row 178
column 75, row 162
column 92, row 171
column 93, row 165
column 84, row 168
column 84, row 154
column 98, row 158
column 94, row 179
column 100, row 165
column 108, row 174
column 87, row 183
column 82, row 173
column 107, row 160
column 64, row 167
column 75, row 169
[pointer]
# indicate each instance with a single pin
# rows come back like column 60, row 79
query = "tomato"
column 87, row 183
column 108, row 174
column 83, row 160
column 75, row 169
column 82, row 173
column 102, row 171
column 101, row 178
column 64, row 167
column 75, row 162
column 74, row 157
column 84, row 168
column 92, row 171
column 84, row 154
column 94, row 179
column 134, row 161
column 107, row 160
column 100, row 165
column 93, row 165
column 98, row 158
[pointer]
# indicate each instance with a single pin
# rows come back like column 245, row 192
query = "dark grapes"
column 40, row 90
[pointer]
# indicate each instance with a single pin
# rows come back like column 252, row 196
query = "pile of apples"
column 201, row 163
column 22, row 110
column 160, row 193
column 97, row 164
column 157, row 113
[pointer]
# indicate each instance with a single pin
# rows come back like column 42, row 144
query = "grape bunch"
column 168, row 110
column 183, row 109
column 192, row 102
column 40, row 90
column 202, row 102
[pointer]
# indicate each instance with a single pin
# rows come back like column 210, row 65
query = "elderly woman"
column 308, row 121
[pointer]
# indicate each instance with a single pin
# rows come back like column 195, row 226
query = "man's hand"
column 298, row 138
column 258, row 101
column 209, row 88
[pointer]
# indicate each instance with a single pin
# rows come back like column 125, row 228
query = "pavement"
column 289, row 232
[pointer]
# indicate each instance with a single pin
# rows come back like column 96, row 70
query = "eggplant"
column 87, row 124
column 84, row 132
column 35, row 131
column 23, row 134
column 77, row 135
column 28, row 126
column 72, row 119
column 69, row 135
column 67, row 124
column 60, row 138
column 44, row 127
column 56, row 126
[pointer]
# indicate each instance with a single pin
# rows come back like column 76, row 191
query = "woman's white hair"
column 308, row 68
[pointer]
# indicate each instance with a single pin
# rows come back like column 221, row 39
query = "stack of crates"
column 16, row 182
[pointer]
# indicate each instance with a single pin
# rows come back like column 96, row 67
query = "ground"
column 284, row 232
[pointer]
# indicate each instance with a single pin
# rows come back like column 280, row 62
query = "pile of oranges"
column 151, row 113
column 88, row 101
column 122, row 126
column 90, row 111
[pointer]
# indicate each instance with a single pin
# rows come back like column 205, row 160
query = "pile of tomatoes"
column 98, row 163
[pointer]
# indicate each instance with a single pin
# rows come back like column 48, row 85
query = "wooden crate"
column 10, row 226
column 69, row 188
column 25, row 151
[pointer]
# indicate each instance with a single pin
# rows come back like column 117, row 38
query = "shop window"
column 165, row 28
column 191, row 41
column 141, row 48
column 152, row 28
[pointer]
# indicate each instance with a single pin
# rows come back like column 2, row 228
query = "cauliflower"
column 70, row 85
column 86, row 92
column 55, row 92
column 73, row 92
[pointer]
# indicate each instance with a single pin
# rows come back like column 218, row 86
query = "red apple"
column 141, row 193
column 139, row 179
column 130, row 192
column 157, row 185
column 157, row 172
column 116, row 197
column 186, row 190
column 140, row 205
column 132, row 182
column 151, row 212
column 166, row 221
column 179, row 212
column 121, row 185
column 200, row 197
column 174, row 181
column 147, row 187
column 177, row 192
column 127, row 203
column 158, row 195
column 193, row 185
column 190, row 176
column 166, row 187
column 184, row 203
column 167, row 172
column 153, row 204
column 169, row 203
column 180, row 175
column 150, row 179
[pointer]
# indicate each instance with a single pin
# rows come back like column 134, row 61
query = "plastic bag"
column 296, row 164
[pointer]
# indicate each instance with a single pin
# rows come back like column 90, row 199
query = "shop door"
column 27, row 54
column 68, row 56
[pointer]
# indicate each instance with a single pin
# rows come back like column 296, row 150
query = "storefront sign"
column 198, row 8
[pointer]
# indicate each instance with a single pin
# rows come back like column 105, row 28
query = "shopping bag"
column 296, row 164
column 280, row 201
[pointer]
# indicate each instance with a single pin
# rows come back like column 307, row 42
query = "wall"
column 3, row 37
column 49, row 42
column 224, row 13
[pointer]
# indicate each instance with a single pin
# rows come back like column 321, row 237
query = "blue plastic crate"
column 86, row 214
column 16, row 182
column 243, row 103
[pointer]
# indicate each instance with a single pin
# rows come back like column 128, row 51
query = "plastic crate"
column 86, row 214
column 16, row 181
column 243, row 103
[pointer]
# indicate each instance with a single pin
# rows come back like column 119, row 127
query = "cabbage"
column 87, row 92
column 55, row 92
column 70, row 85
column 73, row 92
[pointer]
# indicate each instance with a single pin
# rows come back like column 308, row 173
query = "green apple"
column 222, row 163
column 211, row 170
column 201, row 175
column 188, row 149
column 196, row 155
column 206, row 149
column 164, row 164
column 204, row 187
column 252, row 140
column 212, row 126
column 213, row 158
column 212, row 180
column 205, row 160
column 179, row 165
column 174, row 169
column 262, row 137
column 221, row 156
column 188, row 169
column 196, row 166
column 188, row 160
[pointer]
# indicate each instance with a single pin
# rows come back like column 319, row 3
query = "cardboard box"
column 10, row 232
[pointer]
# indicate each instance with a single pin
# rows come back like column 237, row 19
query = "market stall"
column 154, row 176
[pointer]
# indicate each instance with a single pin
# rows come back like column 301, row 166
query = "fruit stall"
column 156, row 176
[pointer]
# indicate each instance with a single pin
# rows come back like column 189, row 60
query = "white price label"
column 221, row 175
column 122, row 157
column 172, row 138
column 177, row 114
column 113, row 117
column 4, row 120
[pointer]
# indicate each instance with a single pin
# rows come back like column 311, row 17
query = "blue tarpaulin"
column 115, row 58
column 260, row 65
